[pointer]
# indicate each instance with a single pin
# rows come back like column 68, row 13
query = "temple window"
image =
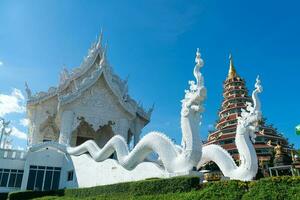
column 43, row 178
column 11, row 178
column 70, row 175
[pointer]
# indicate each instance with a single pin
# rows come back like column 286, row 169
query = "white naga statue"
column 185, row 158
column 244, row 139
column 175, row 159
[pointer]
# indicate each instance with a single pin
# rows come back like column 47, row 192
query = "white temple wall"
column 68, row 165
column 45, row 157
column 12, row 164
column 98, row 106
column 37, row 114
column 67, row 120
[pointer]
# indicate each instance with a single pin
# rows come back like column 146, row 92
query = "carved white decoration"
column 244, row 139
column 175, row 159
column 64, row 76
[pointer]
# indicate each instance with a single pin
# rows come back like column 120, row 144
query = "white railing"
column 12, row 154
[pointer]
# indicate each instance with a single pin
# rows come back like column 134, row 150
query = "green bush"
column 183, row 188
column 3, row 196
column 33, row 194
column 223, row 190
column 146, row 187
column 283, row 187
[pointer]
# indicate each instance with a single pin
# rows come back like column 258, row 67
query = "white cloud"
column 24, row 122
column 13, row 103
column 19, row 134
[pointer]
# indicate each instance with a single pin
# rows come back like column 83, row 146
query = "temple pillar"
column 121, row 127
column 138, row 126
column 136, row 137
column 66, row 125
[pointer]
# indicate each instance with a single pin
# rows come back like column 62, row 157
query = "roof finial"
column 232, row 72
column 100, row 39
column 28, row 91
column 151, row 110
column 198, row 60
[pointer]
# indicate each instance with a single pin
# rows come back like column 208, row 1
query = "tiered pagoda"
column 235, row 97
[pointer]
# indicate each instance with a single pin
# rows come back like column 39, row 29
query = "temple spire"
column 232, row 71
column 99, row 42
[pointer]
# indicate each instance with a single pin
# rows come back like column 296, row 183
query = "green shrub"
column 183, row 188
column 283, row 187
column 33, row 194
column 3, row 196
column 223, row 190
column 146, row 187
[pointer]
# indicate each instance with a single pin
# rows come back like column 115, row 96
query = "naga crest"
column 248, row 121
column 196, row 94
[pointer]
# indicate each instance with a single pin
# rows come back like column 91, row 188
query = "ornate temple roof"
column 83, row 77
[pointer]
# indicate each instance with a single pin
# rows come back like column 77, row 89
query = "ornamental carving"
column 48, row 128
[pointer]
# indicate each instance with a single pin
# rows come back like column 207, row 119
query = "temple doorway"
column 130, row 139
column 81, row 140
column 104, row 134
column 83, row 132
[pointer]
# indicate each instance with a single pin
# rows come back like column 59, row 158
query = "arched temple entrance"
column 85, row 131
column 104, row 134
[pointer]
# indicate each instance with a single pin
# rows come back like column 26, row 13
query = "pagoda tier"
column 235, row 97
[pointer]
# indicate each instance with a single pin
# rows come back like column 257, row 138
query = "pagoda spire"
column 232, row 71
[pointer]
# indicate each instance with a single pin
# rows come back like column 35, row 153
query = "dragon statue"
column 245, row 136
column 174, row 158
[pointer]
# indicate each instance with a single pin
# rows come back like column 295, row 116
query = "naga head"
column 248, row 121
column 195, row 95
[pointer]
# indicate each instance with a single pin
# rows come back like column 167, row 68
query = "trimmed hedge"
column 283, row 187
column 3, row 196
column 223, row 190
column 146, row 187
column 185, row 188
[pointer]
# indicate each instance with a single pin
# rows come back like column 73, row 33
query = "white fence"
column 12, row 154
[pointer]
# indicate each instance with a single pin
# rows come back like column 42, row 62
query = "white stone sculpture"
column 245, row 137
column 175, row 159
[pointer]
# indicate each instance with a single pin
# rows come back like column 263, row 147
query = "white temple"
column 90, row 102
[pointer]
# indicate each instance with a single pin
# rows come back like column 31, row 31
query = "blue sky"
column 154, row 42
